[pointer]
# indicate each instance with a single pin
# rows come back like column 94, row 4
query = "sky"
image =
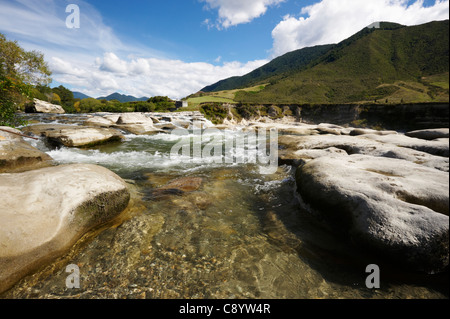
column 176, row 47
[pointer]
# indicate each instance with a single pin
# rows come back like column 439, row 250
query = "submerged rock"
column 177, row 187
column 17, row 155
column 184, row 184
column 44, row 212
column 74, row 136
column 392, row 206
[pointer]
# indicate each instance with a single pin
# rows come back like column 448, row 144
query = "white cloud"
column 331, row 21
column 234, row 12
column 145, row 77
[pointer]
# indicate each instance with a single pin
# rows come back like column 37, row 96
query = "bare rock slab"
column 392, row 206
column 38, row 106
column 430, row 134
column 44, row 212
column 17, row 155
column 74, row 136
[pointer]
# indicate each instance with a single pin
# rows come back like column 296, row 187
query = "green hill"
column 393, row 63
column 122, row 98
column 292, row 61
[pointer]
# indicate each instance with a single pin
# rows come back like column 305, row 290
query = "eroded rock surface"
column 18, row 155
column 74, row 136
column 44, row 212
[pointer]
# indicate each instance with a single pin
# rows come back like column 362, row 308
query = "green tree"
column 90, row 105
column 162, row 103
column 20, row 70
column 66, row 96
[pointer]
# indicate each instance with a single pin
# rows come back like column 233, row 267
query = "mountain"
column 390, row 61
column 122, row 98
column 79, row 95
column 296, row 60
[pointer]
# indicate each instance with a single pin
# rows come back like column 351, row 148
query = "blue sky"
column 176, row 47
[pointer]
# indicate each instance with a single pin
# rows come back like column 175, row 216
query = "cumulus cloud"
column 331, row 21
column 145, row 76
column 234, row 12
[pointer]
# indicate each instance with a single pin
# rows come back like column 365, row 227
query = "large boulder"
column 395, row 207
column 74, row 136
column 136, row 123
column 44, row 212
column 98, row 121
column 38, row 106
column 17, row 155
column 134, row 118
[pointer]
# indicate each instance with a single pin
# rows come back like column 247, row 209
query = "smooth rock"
column 364, row 131
column 38, row 106
column 98, row 121
column 136, row 123
column 16, row 155
column 429, row 134
column 329, row 129
column 74, row 136
column 44, row 212
column 395, row 207
column 134, row 118
column 439, row 147
column 139, row 129
column 360, row 145
column 300, row 157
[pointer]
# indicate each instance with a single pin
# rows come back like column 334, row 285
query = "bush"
column 215, row 112
column 247, row 111
column 10, row 93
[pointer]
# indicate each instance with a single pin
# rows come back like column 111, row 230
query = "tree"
column 90, row 105
column 20, row 70
column 66, row 98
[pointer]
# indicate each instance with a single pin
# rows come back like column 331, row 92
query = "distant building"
column 179, row 104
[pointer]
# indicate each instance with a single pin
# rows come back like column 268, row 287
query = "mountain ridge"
column 122, row 98
column 392, row 62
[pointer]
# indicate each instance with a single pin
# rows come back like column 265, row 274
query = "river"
column 240, row 235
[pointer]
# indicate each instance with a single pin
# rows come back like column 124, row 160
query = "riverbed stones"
column 389, row 205
column 44, row 212
column 73, row 135
column 17, row 155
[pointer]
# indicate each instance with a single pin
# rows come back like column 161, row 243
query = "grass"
column 195, row 101
column 226, row 96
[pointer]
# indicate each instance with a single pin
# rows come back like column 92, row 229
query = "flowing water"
column 240, row 235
